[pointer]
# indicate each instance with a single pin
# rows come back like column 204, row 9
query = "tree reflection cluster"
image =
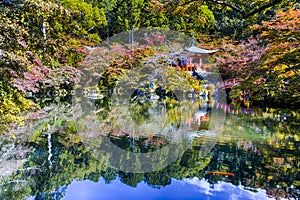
column 247, row 148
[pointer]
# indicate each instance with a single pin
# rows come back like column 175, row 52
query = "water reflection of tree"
column 139, row 113
column 274, row 164
column 77, row 163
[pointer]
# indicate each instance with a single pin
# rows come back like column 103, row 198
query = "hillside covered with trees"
column 43, row 43
column 51, row 136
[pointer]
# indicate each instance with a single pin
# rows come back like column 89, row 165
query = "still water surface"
column 62, row 152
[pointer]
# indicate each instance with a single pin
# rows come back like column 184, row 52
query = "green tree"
column 41, row 45
column 91, row 17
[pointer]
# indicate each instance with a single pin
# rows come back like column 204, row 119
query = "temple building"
column 193, row 53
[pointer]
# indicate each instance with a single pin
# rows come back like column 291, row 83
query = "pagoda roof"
column 197, row 50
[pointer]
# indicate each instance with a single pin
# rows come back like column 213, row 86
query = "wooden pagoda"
column 192, row 52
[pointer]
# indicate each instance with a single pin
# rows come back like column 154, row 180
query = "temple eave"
column 197, row 51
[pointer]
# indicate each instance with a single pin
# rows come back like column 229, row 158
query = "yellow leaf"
column 280, row 67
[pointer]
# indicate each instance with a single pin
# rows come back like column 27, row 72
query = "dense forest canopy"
column 42, row 44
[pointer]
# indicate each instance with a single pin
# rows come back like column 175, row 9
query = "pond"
column 192, row 149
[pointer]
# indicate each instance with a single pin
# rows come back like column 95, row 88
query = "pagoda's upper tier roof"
column 197, row 50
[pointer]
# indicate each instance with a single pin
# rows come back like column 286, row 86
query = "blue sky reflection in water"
column 178, row 189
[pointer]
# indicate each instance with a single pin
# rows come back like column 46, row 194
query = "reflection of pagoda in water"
column 201, row 117
column 200, row 120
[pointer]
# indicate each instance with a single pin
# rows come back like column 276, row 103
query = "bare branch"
column 268, row 5
column 228, row 5
column 244, row 14
column 191, row 1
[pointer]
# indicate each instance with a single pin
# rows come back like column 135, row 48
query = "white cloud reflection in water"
column 224, row 190
column 193, row 188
